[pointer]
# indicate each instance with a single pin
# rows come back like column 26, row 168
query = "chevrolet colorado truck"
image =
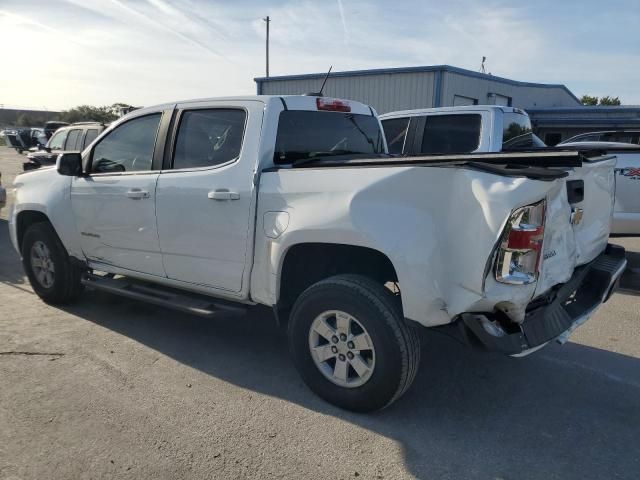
column 488, row 128
column 292, row 202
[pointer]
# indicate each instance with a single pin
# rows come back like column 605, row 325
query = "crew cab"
column 487, row 128
column 292, row 202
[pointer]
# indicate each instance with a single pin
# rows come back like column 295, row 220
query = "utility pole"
column 267, row 20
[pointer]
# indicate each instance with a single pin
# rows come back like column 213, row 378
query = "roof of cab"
column 293, row 102
column 464, row 108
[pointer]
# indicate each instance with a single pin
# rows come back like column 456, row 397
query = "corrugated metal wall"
column 403, row 90
column 523, row 95
column 384, row 92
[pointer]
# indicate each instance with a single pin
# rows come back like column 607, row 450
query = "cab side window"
column 128, row 148
column 57, row 140
column 395, row 130
column 209, row 137
column 451, row 134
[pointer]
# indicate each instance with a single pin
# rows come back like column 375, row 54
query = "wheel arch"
column 304, row 264
column 25, row 219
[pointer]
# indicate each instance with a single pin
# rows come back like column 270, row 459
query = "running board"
column 165, row 297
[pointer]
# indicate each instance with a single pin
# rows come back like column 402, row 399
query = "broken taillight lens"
column 520, row 249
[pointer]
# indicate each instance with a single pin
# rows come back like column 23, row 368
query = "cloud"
column 151, row 51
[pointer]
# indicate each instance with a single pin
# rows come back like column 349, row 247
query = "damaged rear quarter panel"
column 437, row 225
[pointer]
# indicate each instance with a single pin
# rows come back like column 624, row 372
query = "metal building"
column 554, row 125
column 393, row 89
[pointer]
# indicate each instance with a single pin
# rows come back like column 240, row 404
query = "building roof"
column 427, row 68
column 587, row 116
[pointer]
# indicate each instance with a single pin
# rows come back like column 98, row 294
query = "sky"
column 61, row 53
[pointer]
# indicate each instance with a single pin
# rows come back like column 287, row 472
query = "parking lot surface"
column 111, row 388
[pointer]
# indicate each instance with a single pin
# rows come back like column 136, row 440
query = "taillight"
column 332, row 105
column 520, row 248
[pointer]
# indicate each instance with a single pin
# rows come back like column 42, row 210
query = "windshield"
column 517, row 133
column 305, row 135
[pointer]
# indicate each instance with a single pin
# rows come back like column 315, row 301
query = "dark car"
column 618, row 136
column 75, row 137
column 51, row 126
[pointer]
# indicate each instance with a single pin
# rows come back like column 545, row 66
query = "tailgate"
column 578, row 223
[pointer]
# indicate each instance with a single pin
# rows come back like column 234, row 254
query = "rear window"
column 451, row 133
column 307, row 134
column 517, row 133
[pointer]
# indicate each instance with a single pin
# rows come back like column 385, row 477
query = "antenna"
column 324, row 81
column 267, row 19
column 482, row 70
column 319, row 94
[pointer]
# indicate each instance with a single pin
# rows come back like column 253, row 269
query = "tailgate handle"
column 575, row 191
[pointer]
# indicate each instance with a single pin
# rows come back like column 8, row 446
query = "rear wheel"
column 351, row 344
column 46, row 262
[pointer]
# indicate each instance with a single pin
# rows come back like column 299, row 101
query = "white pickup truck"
column 210, row 206
column 487, row 128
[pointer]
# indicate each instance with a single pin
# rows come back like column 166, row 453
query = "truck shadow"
column 569, row 412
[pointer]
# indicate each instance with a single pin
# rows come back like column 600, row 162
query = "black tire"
column 397, row 347
column 66, row 286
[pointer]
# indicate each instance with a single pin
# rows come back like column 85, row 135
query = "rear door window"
column 90, row 136
column 451, row 133
column 72, row 139
column 207, row 138
column 395, row 130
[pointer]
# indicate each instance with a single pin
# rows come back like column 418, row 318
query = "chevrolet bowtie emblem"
column 576, row 215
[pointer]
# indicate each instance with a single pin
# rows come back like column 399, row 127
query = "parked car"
column 74, row 137
column 51, row 127
column 456, row 130
column 494, row 129
column 3, row 193
column 617, row 136
column 626, row 212
column 292, row 202
column 23, row 138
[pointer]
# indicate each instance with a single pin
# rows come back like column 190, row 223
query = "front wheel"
column 351, row 344
column 52, row 275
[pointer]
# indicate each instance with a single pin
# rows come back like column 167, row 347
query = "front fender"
column 47, row 192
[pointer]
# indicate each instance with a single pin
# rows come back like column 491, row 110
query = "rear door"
column 114, row 205
column 206, row 193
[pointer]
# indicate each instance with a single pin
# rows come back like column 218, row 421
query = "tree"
column 89, row 113
column 23, row 121
column 588, row 100
column 607, row 100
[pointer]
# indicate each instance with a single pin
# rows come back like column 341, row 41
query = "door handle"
column 223, row 194
column 137, row 193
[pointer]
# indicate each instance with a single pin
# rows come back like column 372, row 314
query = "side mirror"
column 69, row 164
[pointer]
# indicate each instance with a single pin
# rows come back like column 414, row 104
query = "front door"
column 114, row 205
column 205, row 198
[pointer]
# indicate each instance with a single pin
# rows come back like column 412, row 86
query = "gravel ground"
column 110, row 388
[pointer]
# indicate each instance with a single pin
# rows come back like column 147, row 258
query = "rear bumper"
column 555, row 316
